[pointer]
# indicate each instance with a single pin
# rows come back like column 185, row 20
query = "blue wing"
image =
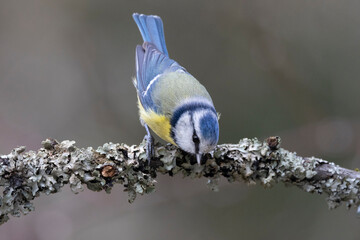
column 150, row 65
column 152, row 31
column 152, row 58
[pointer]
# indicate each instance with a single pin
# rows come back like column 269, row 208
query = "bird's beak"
column 198, row 158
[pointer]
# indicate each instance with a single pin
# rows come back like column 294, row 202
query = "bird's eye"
column 195, row 138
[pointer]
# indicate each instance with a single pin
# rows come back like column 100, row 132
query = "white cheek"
column 206, row 147
column 196, row 117
column 184, row 132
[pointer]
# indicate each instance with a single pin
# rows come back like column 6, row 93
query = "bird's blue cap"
column 209, row 128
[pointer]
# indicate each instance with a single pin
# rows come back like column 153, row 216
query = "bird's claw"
column 149, row 144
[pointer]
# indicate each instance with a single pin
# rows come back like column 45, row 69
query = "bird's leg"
column 149, row 144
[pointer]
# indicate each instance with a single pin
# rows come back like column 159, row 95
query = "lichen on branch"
column 25, row 175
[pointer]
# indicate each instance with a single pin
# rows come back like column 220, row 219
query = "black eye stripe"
column 196, row 141
column 195, row 138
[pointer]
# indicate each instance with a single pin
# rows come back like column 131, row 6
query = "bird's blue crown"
column 209, row 126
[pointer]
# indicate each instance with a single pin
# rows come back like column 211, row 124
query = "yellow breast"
column 160, row 124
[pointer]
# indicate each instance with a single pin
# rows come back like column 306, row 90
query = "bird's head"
column 195, row 128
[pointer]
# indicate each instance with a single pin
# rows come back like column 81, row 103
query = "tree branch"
column 24, row 175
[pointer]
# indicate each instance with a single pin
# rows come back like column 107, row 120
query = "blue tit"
column 171, row 101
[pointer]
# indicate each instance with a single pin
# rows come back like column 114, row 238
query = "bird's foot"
column 149, row 145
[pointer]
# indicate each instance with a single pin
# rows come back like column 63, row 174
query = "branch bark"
column 25, row 175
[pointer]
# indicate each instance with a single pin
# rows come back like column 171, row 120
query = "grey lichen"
column 25, row 175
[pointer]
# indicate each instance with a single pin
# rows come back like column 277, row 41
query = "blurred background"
column 287, row 68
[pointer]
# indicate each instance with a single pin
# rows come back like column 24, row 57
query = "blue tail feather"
column 152, row 59
column 152, row 31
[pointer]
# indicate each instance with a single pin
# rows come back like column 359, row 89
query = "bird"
column 171, row 102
